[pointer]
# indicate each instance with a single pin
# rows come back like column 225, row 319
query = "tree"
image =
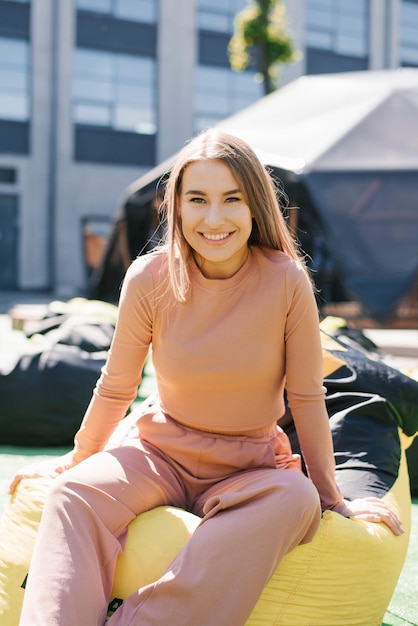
column 260, row 33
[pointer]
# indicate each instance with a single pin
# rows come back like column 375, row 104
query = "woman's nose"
column 214, row 216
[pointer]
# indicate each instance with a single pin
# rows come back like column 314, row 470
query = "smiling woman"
column 228, row 308
column 215, row 218
column 246, row 175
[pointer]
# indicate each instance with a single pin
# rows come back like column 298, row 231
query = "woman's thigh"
column 275, row 493
column 121, row 483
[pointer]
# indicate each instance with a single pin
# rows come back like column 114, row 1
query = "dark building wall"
column 101, row 32
column 104, row 145
column 14, row 137
column 323, row 62
column 14, row 20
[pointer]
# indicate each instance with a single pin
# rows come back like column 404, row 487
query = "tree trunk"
column 264, row 62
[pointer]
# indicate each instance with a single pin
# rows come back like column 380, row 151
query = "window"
column 338, row 26
column 408, row 36
column 135, row 10
column 218, row 15
column 220, row 92
column 14, row 79
column 115, row 91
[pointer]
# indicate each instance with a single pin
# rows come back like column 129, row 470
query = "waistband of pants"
column 264, row 431
column 271, row 430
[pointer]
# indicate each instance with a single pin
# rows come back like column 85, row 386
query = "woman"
column 229, row 312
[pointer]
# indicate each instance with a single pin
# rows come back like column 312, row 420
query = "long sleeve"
column 305, row 391
column 118, row 384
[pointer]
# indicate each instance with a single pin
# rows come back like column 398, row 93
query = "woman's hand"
column 50, row 467
column 372, row 510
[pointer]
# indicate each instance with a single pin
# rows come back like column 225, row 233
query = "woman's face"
column 216, row 221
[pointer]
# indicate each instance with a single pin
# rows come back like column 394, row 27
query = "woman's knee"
column 306, row 503
column 83, row 484
column 296, row 498
column 65, row 491
column 305, row 490
column 295, row 486
column 99, row 476
column 86, row 506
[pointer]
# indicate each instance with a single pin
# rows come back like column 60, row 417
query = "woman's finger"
column 50, row 467
column 375, row 510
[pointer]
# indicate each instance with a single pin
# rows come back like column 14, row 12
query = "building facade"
column 93, row 93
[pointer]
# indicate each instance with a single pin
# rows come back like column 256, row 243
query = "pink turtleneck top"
column 223, row 358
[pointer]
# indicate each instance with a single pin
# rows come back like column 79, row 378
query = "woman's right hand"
column 50, row 467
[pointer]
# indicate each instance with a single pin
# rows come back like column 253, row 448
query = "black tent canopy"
column 345, row 147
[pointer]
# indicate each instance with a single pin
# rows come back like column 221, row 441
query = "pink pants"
column 255, row 508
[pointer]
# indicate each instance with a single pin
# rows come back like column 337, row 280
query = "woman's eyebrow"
column 231, row 192
column 203, row 193
column 195, row 192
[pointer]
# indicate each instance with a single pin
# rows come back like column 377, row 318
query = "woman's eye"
column 197, row 200
column 233, row 199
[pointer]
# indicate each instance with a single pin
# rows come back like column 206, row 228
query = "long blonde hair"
column 258, row 187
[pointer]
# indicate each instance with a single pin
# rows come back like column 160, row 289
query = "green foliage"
column 260, row 29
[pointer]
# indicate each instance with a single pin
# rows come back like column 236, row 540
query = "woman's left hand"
column 372, row 510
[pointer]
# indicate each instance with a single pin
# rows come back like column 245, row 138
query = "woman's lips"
column 215, row 236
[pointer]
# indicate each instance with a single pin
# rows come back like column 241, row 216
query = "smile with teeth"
column 216, row 236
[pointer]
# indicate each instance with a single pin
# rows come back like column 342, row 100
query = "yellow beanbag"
column 18, row 528
column 345, row 577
